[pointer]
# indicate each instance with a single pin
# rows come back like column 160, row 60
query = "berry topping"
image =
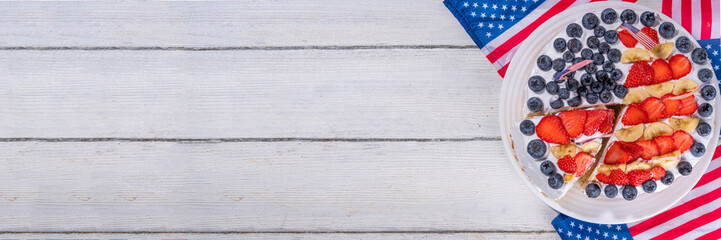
column 657, row 173
column 617, row 154
column 684, row 168
column 609, row 85
column 705, row 110
column 592, row 42
column 607, row 125
column 598, row 58
column 703, row 129
column 698, row 149
column 616, row 74
column 593, row 121
column 593, row 190
column 596, row 87
column 591, row 98
column 680, row 66
column 683, row 44
column 708, row 92
column 544, row 62
column 567, row 164
column 586, row 54
column 634, row 115
column 620, row 90
column 611, row 191
column 559, row 64
column 614, row 55
column 574, row 45
column 573, row 121
column 609, row 15
column 611, row 36
column 551, row 130
column 648, row 19
column 649, row 147
column 666, row 144
column 559, row 44
column 654, row 108
column 556, row 104
column 608, row 66
column 575, row 101
column 586, row 80
column 589, row 21
column 650, row 32
column 671, row 106
column 602, row 76
column 640, row 74
column 688, row 106
column 555, row 181
column 583, row 163
column 629, row 192
column 705, row 74
column 637, row 177
column 536, row 84
column 574, row 30
column 649, row 186
column 527, row 127
column 536, row 148
column 568, row 56
column 682, row 140
column 628, row 16
column 598, row 31
column 667, row 179
column 547, row 167
column 699, row 56
column 662, row 71
column 563, row 93
column 535, row 104
column 552, row 88
column 666, row 30
column 627, row 39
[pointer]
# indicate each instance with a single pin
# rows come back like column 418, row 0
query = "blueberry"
column 534, row 104
column 629, row 192
column 574, row 30
column 602, row 76
column 614, row 55
column 609, row 15
column 575, row 101
column 590, row 68
column 599, row 31
column 552, row 88
column 608, row 66
column 684, row 168
column 596, row 87
column 586, row 79
column 563, row 93
column 574, row 45
column 705, row 74
column 603, row 47
column 582, row 91
column 648, row 19
column 611, row 36
column 559, row 44
column 536, row 84
column 586, row 54
column 683, row 44
column 589, row 21
column 699, row 56
column 649, row 186
column 559, row 64
column 527, row 127
column 705, row 109
column 668, row 179
column 628, row 16
column 708, row 92
column 555, row 181
column 703, row 129
column 556, row 104
column 568, row 56
column 616, row 74
column 666, row 30
column 569, row 75
column 577, row 60
column 593, row 190
column 698, row 149
column 591, row 98
column 605, row 96
column 572, row 84
column 592, row 42
column 609, row 85
column 620, row 91
column 547, row 167
column 611, row 191
column 598, row 58
column 536, row 148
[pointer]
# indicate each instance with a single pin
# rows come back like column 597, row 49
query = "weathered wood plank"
column 296, row 236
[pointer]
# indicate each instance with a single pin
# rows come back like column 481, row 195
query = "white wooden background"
column 254, row 119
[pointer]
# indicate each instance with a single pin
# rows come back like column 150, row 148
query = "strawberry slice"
column 618, row 177
column 671, row 106
column 594, row 120
column 680, row 66
column 633, row 149
column 583, row 163
column 654, row 108
column 550, row 129
column 626, row 38
column 650, row 149
column 574, row 121
column 567, row 164
column 682, row 140
column 616, row 154
column 603, row 178
column 661, row 71
column 640, row 74
column 637, row 177
column 657, row 173
column 666, row 144
column 607, row 126
column 687, row 106
column 634, row 115
column 651, row 33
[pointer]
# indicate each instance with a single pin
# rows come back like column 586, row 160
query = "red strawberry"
column 616, row 154
column 637, row 177
column 618, row 177
column 657, row 173
column 633, row 149
column 626, row 38
column 567, row 164
column 666, row 144
column 640, row 74
column 550, row 129
column 680, row 66
column 651, row 33
column 682, row 140
column 594, row 120
column 650, row 149
column 634, row 115
column 607, row 126
column 603, row 178
column 573, row 121
column 654, row 108
column 671, row 106
column 583, row 163
column 688, row 106
column 661, row 71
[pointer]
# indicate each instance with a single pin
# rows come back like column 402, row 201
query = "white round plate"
column 575, row 203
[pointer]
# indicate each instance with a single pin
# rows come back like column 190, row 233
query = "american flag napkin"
column 499, row 26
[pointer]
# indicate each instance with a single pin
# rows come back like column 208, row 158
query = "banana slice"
column 635, row 54
column 638, row 165
column 662, row 50
column 660, row 89
column 636, row 96
column 630, row 134
column 666, row 163
column 657, row 129
column 686, row 124
column 683, row 85
column 560, row 151
column 590, row 147
column 567, row 177
column 606, row 169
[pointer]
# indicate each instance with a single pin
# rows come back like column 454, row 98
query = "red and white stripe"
column 700, row 17
column 696, row 216
column 644, row 39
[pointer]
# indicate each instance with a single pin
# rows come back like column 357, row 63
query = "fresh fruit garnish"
column 630, row 134
column 682, row 140
column 633, row 149
column 607, row 126
column 684, row 168
column 567, row 164
column 651, row 33
column 640, row 74
column 653, row 107
column 583, row 163
column 657, row 173
column 628, row 16
column 616, row 154
column 686, row 124
column 629, row 192
column 698, row 149
column 705, row 110
column 662, row 51
column 610, row 190
column 609, row 15
column 648, row 19
column 705, row 74
column 574, row 30
column 551, row 130
column 559, row 151
column 650, row 149
column 636, row 95
column 547, row 167
column 593, row 190
column 680, row 66
column 687, row 106
column 544, row 62
column 657, row 129
column 671, row 106
column 626, row 38
column 594, row 120
column 708, row 92
column 668, row 179
column 634, row 115
column 666, row 30
column 589, row 21
column 590, row 147
column 555, row 181
column 573, row 121
column 683, row 44
column 660, row 89
column 661, row 71
column 635, row 54
column 649, row 186
column 699, row 56
column 536, row 148
column 618, row 177
column 666, row 144
column 684, row 85
column 703, row 129
column 637, row 177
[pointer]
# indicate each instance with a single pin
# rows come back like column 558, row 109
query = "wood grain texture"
column 295, row 236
